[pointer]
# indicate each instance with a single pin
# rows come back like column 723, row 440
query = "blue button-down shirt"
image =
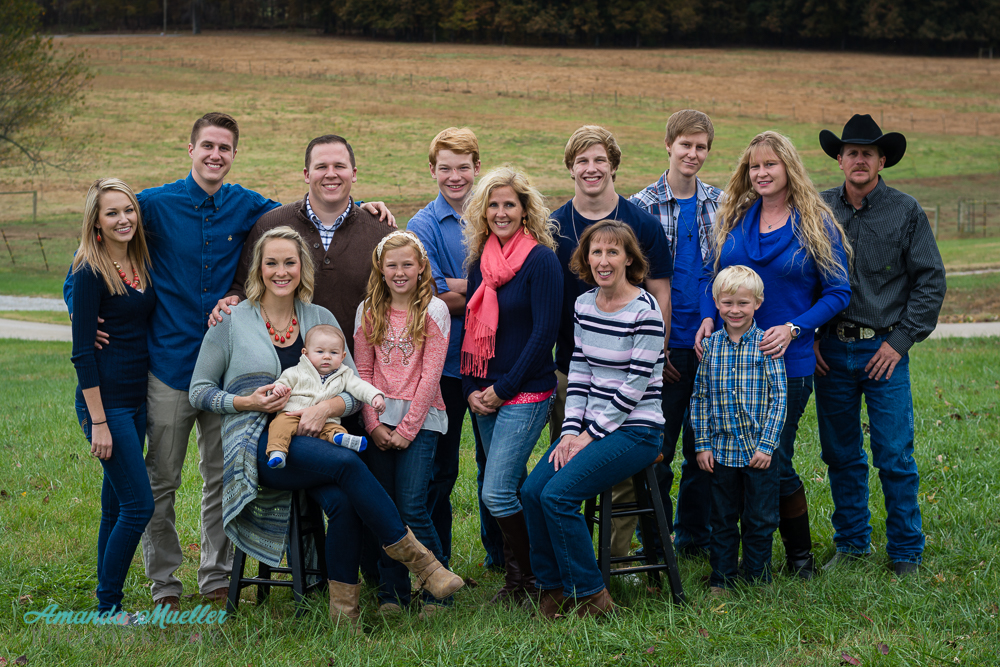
column 440, row 230
column 194, row 242
column 739, row 400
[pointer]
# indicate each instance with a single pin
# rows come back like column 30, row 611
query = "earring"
column 98, row 236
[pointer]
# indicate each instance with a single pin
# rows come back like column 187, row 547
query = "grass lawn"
column 947, row 614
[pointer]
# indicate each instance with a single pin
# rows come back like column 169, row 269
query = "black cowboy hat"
column 863, row 130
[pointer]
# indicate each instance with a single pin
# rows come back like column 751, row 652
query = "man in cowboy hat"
column 897, row 286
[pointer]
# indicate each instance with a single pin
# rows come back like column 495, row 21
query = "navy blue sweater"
column 120, row 369
column 530, row 305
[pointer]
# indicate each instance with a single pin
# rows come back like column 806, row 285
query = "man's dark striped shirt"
column 897, row 277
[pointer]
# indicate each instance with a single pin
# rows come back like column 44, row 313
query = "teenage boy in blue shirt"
column 737, row 411
column 685, row 207
column 454, row 165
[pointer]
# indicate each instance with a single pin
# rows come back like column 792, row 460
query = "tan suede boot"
column 431, row 575
column 344, row 605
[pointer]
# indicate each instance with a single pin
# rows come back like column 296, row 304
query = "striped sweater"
column 616, row 373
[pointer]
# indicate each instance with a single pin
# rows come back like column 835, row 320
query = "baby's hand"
column 379, row 404
column 280, row 390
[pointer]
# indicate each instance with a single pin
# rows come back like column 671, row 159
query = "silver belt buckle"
column 866, row 333
column 841, row 325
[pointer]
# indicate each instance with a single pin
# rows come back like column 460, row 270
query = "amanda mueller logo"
column 160, row 616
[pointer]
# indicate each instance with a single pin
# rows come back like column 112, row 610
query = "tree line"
column 921, row 26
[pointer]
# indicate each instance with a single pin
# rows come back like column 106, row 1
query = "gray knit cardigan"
column 237, row 356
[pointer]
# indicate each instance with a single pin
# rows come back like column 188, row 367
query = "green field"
column 947, row 614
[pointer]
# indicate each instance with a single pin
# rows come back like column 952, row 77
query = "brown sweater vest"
column 341, row 272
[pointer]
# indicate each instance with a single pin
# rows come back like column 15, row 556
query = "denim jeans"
column 747, row 496
column 562, row 551
column 406, row 475
column 890, row 416
column 692, row 526
column 799, row 391
column 489, row 530
column 445, row 471
column 126, row 498
column 509, row 436
column 346, row 490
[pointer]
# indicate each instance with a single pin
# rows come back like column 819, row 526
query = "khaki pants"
column 623, row 492
column 284, row 426
column 170, row 417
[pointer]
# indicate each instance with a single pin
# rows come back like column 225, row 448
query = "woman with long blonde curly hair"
column 773, row 221
column 400, row 345
column 511, row 322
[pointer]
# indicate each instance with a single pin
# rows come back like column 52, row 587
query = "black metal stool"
column 649, row 508
column 306, row 519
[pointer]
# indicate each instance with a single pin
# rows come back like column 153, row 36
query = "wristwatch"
column 794, row 329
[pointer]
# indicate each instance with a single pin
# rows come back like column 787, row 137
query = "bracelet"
column 98, row 423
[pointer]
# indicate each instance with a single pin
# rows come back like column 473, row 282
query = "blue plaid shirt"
column 326, row 233
column 659, row 200
column 739, row 400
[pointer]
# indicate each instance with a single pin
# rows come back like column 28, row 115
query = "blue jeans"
column 749, row 497
column 348, row 493
column 562, row 551
column 890, row 415
column 692, row 527
column 799, row 391
column 509, row 436
column 406, row 475
column 126, row 498
column 489, row 530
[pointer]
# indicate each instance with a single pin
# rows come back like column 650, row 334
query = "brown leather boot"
column 550, row 603
column 433, row 577
column 511, row 592
column 515, row 535
column 344, row 605
column 598, row 604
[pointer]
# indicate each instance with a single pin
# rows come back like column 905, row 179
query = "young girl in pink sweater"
column 400, row 344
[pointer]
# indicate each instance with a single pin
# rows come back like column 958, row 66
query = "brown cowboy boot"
column 598, row 604
column 550, row 603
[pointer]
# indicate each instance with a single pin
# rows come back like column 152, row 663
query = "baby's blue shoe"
column 276, row 460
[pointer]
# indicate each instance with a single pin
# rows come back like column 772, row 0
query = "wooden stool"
column 306, row 519
column 649, row 508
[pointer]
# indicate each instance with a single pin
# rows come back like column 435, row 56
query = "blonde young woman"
column 774, row 221
column 511, row 322
column 239, row 361
column 111, row 274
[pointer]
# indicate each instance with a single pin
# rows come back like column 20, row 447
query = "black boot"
column 794, row 528
column 515, row 535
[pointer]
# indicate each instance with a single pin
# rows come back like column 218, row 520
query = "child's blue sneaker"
column 355, row 442
column 276, row 460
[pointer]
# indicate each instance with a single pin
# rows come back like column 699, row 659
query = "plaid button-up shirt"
column 739, row 400
column 659, row 200
column 326, row 233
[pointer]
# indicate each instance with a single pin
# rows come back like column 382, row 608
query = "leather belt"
column 848, row 332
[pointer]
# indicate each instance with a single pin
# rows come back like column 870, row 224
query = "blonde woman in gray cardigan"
column 235, row 376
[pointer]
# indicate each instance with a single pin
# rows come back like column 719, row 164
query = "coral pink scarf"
column 499, row 264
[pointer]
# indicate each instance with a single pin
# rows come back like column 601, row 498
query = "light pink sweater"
column 402, row 371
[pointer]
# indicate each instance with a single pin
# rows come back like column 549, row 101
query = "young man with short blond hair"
column 685, row 208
